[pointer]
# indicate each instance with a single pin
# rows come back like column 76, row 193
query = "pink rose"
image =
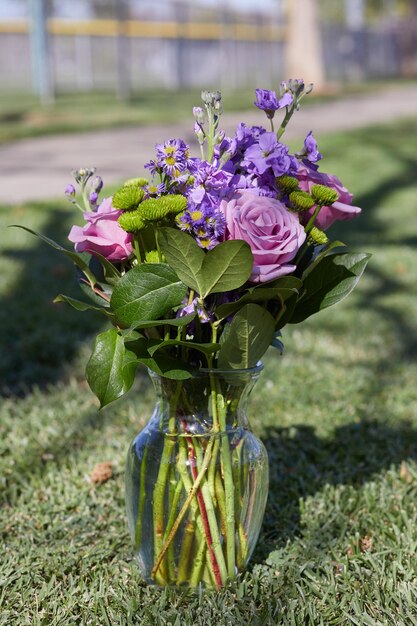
column 342, row 209
column 103, row 234
column 273, row 233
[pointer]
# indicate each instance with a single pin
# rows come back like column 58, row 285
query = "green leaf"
column 161, row 364
column 176, row 322
column 111, row 367
column 259, row 294
column 325, row 251
column 205, row 348
column 330, row 281
column 227, row 266
column 111, row 273
column 79, row 305
column 146, row 292
column 251, row 332
column 74, row 256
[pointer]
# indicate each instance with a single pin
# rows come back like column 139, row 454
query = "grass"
column 22, row 116
column 337, row 414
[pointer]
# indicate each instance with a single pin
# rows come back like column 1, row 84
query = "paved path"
column 36, row 169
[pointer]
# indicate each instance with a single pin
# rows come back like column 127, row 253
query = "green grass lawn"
column 338, row 414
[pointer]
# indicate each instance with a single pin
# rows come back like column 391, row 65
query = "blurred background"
column 48, row 47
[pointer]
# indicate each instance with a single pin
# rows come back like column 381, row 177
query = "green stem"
column 142, row 496
column 186, row 479
column 191, row 495
column 199, row 563
column 229, row 490
column 160, row 485
column 186, row 551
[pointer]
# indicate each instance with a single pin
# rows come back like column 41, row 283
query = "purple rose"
column 273, row 233
column 103, row 234
column 342, row 209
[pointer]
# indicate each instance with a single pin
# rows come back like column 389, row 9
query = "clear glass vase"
column 197, row 481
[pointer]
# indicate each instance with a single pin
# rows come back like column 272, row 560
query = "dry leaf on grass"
column 101, row 473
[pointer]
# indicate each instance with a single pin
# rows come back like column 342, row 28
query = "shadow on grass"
column 38, row 338
column 301, row 464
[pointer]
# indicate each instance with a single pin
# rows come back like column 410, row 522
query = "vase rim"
column 204, row 371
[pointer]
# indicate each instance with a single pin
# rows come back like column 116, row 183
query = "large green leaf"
column 111, row 367
column 74, row 256
column 227, row 266
column 147, row 292
column 250, row 333
column 330, row 281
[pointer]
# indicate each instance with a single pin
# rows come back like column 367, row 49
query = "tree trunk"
column 304, row 54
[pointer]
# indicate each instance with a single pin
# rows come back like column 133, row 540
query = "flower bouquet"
column 198, row 268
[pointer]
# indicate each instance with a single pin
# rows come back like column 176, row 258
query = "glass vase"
column 197, row 481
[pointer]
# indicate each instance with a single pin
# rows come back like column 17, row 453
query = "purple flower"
column 97, row 184
column 170, row 156
column 310, row 153
column 210, row 183
column 272, row 231
column 70, row 190
column 267, row 101
column 92, row 198
column 268, row 152
column 102, row 234
column 205, row 222
column 186, row 309
column 152, row 190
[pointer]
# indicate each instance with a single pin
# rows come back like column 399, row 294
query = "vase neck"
column 211, row 400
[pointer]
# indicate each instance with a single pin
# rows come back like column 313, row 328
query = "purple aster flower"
column 152, row 190
column 171, row 157
column 153, row 167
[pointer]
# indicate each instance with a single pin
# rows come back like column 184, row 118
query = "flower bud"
column 213, row 100
column 70, row 190
column 93, row 198
column 97, row 184
column 199, row 115
column 83, row 174
column 218, row 137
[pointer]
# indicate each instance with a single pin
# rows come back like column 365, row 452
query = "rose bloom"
column 103, row 234
column 274, row 234
column 342, row 209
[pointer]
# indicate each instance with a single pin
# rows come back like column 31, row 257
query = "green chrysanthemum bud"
column 128, row 197
column 287, row 184
column 136, row 182
column 324, row 196
column 131, row 221
column 152, row 256
column 301, row 200
column 317, row 236
column 155, row 209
